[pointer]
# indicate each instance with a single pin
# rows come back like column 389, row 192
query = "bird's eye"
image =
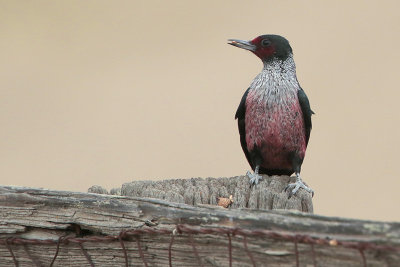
column 265, row 42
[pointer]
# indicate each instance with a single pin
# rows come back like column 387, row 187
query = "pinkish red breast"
column 276, row 128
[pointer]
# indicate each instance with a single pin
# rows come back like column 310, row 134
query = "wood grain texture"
column 45, row 214
column 269, row 194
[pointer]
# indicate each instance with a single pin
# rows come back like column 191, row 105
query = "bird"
column 274, row 114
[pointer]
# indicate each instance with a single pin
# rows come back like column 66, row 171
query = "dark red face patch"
column 263, row 52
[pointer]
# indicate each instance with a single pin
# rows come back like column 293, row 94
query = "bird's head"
column 266, row 47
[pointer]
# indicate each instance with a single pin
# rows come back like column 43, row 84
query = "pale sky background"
column 106, row 92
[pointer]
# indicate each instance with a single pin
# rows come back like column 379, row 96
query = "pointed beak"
column 242, row 44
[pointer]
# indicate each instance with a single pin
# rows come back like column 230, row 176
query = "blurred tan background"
column 105, row 92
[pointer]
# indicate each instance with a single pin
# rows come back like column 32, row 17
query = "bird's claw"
column 254, row 177
column 296, row 186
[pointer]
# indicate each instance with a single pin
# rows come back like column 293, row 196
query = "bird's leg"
column 298, row 184
column 254, row 177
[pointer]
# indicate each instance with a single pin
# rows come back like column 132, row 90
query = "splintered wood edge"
column 40, row 214
column 103, row 213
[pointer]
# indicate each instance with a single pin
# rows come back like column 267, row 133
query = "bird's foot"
column 254, row 177
column 297, row 185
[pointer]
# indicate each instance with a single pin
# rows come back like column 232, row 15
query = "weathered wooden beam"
column 28, row 214
column 269, row 194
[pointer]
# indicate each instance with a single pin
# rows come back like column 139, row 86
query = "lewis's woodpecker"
column 274, row 115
